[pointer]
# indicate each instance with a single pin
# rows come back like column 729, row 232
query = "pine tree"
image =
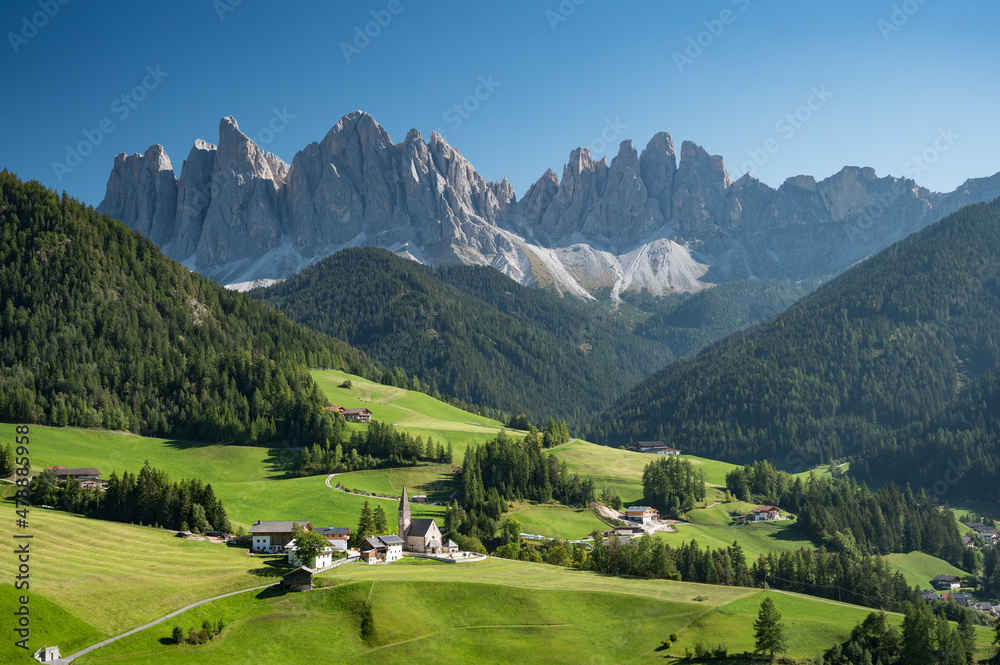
column 918, row 625
column 769, row 632
column 380, row 526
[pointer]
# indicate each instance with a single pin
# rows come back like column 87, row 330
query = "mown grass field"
column 919, row 568
column 50, row 625
column 755, row 539
column 114, row 576
column 720, row 514
column 419, row 414
column 555, row 521
column 437, row 481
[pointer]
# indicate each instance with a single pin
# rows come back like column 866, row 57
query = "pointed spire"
column 404, row 503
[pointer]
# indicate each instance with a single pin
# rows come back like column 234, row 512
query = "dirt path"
column 71, row 658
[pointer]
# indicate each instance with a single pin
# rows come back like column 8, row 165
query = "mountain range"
column 648, row 220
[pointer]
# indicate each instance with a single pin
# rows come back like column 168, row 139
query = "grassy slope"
column 755, row 539
column 50, row 625
column 919, row 568
column 491, row 612
column 437, row 481
column 116, row 576
column 556, row 521
column 417, row 413
column 249, row 486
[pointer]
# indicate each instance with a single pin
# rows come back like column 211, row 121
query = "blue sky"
column 778, row 88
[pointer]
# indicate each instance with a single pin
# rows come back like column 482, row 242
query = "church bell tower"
column 404, row 514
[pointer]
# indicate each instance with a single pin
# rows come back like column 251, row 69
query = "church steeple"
column 404, row 514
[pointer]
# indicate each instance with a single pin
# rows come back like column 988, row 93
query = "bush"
column 346, row 384
column 178, row 634
column 674, row 637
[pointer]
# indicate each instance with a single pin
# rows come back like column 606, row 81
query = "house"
column 984, row 606
column 450, row 547
column 89, row 478
column 381, row 549
column 947, row 582
column 990, row 536
column 968, row 541
column 323, row 560
column 642, row 514
column 47, row 655
column 764, row 514
column 334, row 409
column 361, row 415
column 419, row 535
column 962, row 599
column 336, row 537
column 272, row 537
column 300, row 579
column 929, row 595
column 654, row 447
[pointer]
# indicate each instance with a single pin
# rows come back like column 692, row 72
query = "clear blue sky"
column 923, row 82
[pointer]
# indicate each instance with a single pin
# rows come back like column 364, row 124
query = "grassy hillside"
column 492, row 612
column 417, row 413
column 556, row 521
column 245, row 478
column 755, row 539
column 919, row 568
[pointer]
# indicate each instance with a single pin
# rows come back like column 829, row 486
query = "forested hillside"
column 897, row 354
column 99, row 329
column 474, row 334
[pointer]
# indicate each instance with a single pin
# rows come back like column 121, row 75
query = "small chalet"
column 323, row 560
column 764, row 514
column 47, row 655
column 968, row 541
column 89, row 478
column 929, row 595
column 361, row 415
column 642, row 514
column 984, row 606
column 300, row 579
column 272, row 537
column 654, row 447
column 962, row 599
column 381, row 549
column 334, row 409
column 947, row 582
column 336, row 537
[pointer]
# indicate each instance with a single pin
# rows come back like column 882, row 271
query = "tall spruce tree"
column 769, row 632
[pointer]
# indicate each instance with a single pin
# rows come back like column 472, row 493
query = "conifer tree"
column 769, row 632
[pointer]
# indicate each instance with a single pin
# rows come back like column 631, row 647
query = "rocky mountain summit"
column 238, row 214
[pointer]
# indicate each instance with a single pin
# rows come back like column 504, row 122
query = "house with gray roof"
column 381, row 549
column 272, row 537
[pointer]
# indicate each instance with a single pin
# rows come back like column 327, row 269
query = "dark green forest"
column 476, row 335
column 99, row 329
column 897, row 357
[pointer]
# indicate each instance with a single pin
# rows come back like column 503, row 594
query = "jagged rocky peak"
column 659, row 219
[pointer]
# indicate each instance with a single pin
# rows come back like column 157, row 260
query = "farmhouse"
column 764, row 514
column 947, row 582
column 336, row 537
column 89, row 478
column 272, row 537
column 419, row 535
column 642, row 514
column 361, row 415
column 323, row 559
column 300, row 579
column 929, row 595
column 381, row 549
column 334, row 409
column 654, row 447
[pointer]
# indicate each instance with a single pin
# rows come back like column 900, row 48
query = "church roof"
column 419, row 527
column 404, row 503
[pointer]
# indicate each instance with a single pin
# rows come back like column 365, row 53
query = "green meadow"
column 555, row 520
column 919, row 568
column 437, row 481
column 755, row 539
column 419, row 414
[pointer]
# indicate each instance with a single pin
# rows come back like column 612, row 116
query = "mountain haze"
column 643, row 220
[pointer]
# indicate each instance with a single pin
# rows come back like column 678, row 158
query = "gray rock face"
column 239, row 214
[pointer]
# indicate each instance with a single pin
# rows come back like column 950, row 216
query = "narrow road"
column 367, row 496
column 71, row 658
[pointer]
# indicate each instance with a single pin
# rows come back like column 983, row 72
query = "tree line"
column 149, row 497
